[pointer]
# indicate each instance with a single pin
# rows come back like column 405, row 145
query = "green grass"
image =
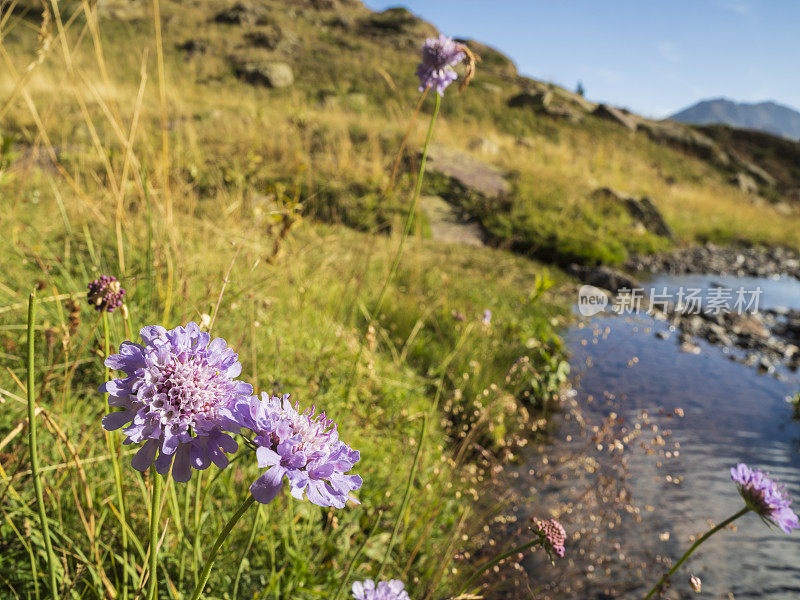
column 284, row 200
column 296, row 322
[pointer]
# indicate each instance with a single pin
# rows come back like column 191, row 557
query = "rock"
column 535, row 100
column 745, row 183
column 243, row 14
column 689, row 348
column 447, row 225
column 603, row 277
column 617, row 115
column 564, row 112
column 642, row 210
column 467, row 172
column 685, row 138
column 759, row 174
column 269, row 74
column 398, row 21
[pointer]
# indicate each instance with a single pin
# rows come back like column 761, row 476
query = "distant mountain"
column 764, row 116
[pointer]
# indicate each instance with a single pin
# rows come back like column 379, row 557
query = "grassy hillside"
column 131, row 146
column 211, row 218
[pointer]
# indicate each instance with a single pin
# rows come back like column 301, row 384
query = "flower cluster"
column 765, row 497
column 302, row 447
column 552, row 534
column 176, row 398
column 105, row 293
column 385, row 590
column 439, row 56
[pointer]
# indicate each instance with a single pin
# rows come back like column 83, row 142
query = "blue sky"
column 652, row 56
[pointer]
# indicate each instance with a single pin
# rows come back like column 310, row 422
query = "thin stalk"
column 155, row 505
column 694, row 547
column 249, row 545
column 406, row 230
column 406, row 495
column 352, row 564
column 495, row 561
column 34, row 451
column 196, row 528
column 218, row 544
column 120, row 490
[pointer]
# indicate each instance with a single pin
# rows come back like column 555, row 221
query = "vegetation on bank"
column 197, row 231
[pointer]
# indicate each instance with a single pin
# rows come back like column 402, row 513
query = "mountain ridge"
column 768, row 116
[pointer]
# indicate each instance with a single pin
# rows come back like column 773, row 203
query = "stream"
column 639, row 461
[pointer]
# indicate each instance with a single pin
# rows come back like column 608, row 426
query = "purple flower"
column 439, row 55
column 177, row 395
column 487, row 317
column 303, row 448
column 385, row 590
column 105, row 293
column 765, row 497
column 552, row 534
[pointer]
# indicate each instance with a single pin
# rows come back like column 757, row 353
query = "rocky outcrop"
column 642, row 210
column 265, row 73
column 467, row 172
column 540, row 100
column 395, row 21
column 243, row 13
column 616, row 115
column 686, row 138
column 745, row 183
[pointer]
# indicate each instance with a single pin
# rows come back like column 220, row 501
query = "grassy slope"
column 238, row 161
column 296, row 316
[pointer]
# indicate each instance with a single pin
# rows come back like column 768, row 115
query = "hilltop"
column 320, row 92
column 769, row 117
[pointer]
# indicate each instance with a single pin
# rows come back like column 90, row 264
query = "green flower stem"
column 694, row 547
column 406, row 495
column 412, row 211
column 212, row 556
column 155, row 520
column 496, row 560
column 114, row 451
column 34, row 451
column 358, row 553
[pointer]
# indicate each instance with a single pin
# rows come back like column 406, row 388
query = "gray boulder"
column 616, row 115
column 268, row 74
column 467, row 172
column 642, row 210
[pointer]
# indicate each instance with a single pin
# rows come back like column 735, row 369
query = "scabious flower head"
column 439, row 56
column 487, row 317
column 552, row 534
column 765, row 497
column 105, row 293
column 177, row 394
column 385, row 590
column 302, row 447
